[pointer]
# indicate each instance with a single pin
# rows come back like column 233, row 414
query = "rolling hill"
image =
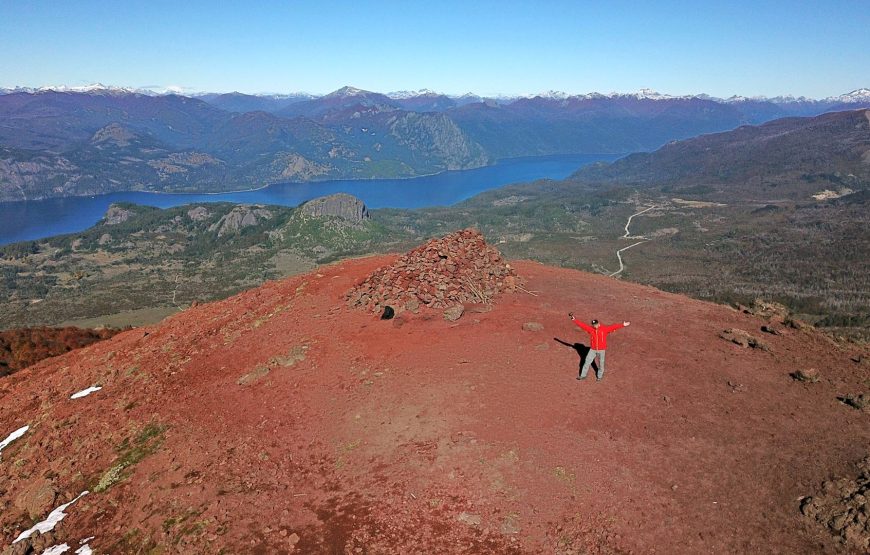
column 282, row 421
column 831, row 149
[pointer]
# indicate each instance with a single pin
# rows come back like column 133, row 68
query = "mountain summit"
column 280, row 421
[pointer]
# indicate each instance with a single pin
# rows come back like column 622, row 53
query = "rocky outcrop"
column 117, row 214
column 842, row 508
column 26, row 178
column 339, row 205
column 113, row 134
column 181, row 163
column 198, row 213
column 437, row 137
column 297, row 167
column 743, row 338
column 456, row 269
column 240, row 217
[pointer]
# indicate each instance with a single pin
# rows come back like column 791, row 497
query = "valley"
column 757, row 231
column 103, row 140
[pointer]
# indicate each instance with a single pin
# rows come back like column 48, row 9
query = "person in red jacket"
column 597, row 344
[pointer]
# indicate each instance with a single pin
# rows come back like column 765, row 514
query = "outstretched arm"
column 608, row 329
column 582, row 325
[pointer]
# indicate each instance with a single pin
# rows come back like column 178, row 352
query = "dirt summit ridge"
column 283, row 420
column 455, row 269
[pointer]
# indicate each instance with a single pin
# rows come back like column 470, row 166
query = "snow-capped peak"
column 739, row 98
column 649, row 94
column 347, row 91
column 858, row 95
column 93, row 88
column 551, row 94
column 404, row 95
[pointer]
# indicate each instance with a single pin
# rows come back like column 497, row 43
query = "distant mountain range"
column 777, row 211
column 61, row 141
column 859, row 95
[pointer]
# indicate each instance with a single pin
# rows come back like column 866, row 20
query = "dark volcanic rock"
column 340, row 205
column 860, row 402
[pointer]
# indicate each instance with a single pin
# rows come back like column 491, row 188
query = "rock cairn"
column 456, row 269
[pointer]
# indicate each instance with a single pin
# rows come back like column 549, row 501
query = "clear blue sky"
column 726, row 47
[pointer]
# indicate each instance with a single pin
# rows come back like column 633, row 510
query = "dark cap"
column 594, row 322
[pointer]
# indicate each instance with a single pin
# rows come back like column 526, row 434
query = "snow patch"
column 404, row 95
column 85, row 550
column 13, row 436
column 828, row 194
column 56, row 549
column 554, row 95
column 86, row 392
column 50, row 522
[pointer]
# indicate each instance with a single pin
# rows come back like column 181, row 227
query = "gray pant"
column 590, row 356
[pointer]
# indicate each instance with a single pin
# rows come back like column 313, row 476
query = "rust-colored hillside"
column 281, row 420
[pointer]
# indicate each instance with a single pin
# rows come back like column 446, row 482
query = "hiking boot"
column 581, row 377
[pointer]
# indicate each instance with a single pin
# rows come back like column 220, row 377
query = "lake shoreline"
column 500, row 161
column 38, row 219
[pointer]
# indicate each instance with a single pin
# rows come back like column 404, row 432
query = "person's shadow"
column 582, row 351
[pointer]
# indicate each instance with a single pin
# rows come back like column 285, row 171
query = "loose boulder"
column 454, row 313
column 809, row 375
column 743, row 338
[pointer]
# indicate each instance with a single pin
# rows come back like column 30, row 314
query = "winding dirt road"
column 629, row 236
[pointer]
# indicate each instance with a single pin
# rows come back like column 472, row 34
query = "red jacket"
column 598, row 336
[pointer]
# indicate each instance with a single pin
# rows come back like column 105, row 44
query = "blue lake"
column 22, row 221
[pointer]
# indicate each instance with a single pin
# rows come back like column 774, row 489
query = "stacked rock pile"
column 456, row 269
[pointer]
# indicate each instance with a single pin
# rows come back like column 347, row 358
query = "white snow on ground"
column 50, row 522
column 85, row 392
column 63, row 548
column 13, row 436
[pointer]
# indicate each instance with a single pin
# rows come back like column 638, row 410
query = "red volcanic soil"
column 21, row 347
column 280, row 420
